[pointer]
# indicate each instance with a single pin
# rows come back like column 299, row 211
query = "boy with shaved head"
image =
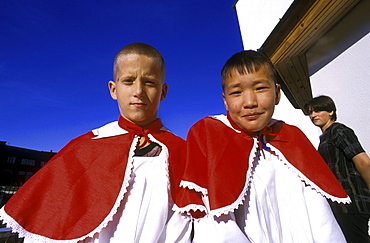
column 115, row 183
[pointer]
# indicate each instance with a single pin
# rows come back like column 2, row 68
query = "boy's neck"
column 142, row 131
column 265, row 131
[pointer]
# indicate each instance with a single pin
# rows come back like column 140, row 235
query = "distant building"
column 17, row 165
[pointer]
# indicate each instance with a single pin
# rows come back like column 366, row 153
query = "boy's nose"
column 312, row 114
column 249, row 100
column 138, row 89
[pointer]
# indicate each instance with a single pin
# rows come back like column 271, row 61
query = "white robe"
column 145, row 214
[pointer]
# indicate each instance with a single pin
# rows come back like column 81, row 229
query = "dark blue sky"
column 56, row 59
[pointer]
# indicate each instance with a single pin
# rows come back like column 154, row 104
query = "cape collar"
column 154, row 127
column 267, row 130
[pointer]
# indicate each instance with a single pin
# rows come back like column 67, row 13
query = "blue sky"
column 56, row 59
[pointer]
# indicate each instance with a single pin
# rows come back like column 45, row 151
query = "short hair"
column 322, row 103
column 245, row 62
column 140, row 49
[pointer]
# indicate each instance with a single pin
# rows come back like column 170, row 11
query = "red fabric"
column 138, row 130
column 218, row 159
column 75, row 191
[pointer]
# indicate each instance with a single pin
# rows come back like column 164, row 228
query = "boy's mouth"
column 138, row 104
column 252, row 116
column 314, row 119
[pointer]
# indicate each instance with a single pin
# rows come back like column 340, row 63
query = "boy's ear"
column 164, row 91
column 112, row 89
column 278, row 94
column 225, row 103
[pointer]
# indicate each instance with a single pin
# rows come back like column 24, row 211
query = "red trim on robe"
column 218, row 160
column 76, row 190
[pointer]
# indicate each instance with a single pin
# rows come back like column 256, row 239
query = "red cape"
column 75, row 191
column 218, row 162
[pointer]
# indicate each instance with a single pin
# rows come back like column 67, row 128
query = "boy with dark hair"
column 115, row 183
column 250, row 178
column 342, row 151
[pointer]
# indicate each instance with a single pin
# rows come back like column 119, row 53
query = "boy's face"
column 138, row 88
column 321, row 119
column 251, row 98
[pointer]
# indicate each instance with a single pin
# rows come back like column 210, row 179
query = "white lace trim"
column 307, row 181
column 122, row 192
column 165, row 155
column 38, row 238
column 127, row 177
column 240, row 200
column 225, row 210
column 190, row 207
column 194, row 186
column 31, row 237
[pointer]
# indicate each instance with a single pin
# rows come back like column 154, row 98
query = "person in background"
column 116, row 183
column 342, row 151
column 250, row 178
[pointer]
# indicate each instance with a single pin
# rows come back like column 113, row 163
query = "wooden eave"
column 304, row 23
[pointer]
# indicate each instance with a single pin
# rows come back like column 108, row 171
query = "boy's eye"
column 261, row 88
column 128, row 81
column 150, row 83
column 235, row 92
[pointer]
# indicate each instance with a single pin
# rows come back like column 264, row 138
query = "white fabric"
column 144, row 213
column 277, row 208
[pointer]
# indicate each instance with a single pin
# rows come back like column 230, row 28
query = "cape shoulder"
column 217, row 153
column 71, row 197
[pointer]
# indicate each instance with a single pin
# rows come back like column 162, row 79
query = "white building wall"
column 347, row 80
column 258, row 18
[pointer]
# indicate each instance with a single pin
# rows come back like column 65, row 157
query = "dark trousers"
column 354, row 226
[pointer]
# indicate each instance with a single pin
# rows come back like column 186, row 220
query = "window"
column 42, row 163
column 28, row 162
column 11, row 160
column 28, row 175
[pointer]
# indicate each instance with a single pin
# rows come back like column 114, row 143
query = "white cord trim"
column 193, row 186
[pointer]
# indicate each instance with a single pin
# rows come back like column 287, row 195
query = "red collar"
column 267, row 130
column 131, row 127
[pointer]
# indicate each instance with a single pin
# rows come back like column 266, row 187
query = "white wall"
column 347, row 80
column 258, row 18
